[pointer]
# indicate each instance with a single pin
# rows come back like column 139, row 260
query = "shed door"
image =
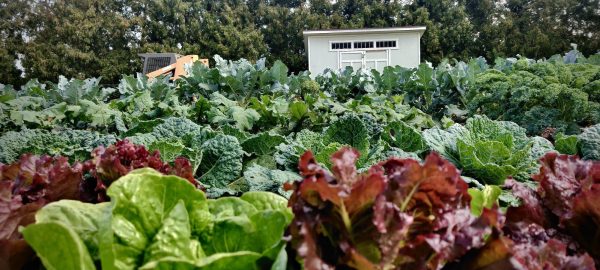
column 372, row 59
column 377, row 59
column 354, row 59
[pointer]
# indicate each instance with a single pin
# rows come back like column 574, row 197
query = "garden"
column 244, row 165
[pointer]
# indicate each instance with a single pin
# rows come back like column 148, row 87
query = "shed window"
column 363, row 44
column 386, row 44
column 341, row 45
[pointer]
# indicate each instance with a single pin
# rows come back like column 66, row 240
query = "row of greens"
column 241, row 130
column 561, row 94
column 229, row 161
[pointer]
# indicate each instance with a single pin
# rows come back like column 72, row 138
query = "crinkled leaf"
column 221, row 161
column 399, row 134
column 348, row 130
column 263, row 143
column 566, row 144
column 260, row 178
column 589, row 143
column 142, row 201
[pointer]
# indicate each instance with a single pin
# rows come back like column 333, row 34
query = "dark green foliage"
column 74, row 144
column 589, row 143
column 103, row 38
column 538, row 96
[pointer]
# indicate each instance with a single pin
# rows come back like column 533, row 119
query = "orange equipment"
column 172, row 64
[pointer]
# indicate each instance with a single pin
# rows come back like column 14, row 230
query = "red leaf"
column 343, row 165
column 110, row 163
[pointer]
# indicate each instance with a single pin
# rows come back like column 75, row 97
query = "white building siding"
column 321, row 55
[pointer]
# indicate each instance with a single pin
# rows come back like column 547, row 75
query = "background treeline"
column 90, row 38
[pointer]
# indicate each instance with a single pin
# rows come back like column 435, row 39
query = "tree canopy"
column 103, row 37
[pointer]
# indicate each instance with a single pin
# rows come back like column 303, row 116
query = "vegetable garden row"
column 462, row 166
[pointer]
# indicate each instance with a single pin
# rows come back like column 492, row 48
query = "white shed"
column 373, row 48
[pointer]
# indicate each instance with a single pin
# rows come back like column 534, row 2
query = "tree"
column 228, row 29
column 11, row 39
column 77, row 39
column 484, row 15
column 449, row 31
column 583, row 20
column 534, row 28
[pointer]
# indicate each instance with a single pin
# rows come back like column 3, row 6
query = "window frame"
column 375, row 48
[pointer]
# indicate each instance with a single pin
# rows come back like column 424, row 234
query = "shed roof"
column 308, row 33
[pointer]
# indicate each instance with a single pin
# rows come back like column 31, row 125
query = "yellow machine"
column 171, row 64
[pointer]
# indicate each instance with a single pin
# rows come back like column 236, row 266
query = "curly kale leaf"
column 13, row 143
column 589, row 143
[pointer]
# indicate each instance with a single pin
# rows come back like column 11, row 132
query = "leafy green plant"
column 589, row 142
column 487, row 150
column 155, row 221
column 74, row 144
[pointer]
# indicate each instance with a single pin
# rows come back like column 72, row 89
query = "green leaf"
column 279, row 72
column 263, row 143
column 175, row 127
column 405, row 137
column 169, row 149
column 444, row 141
column 348, row 130
column 565, row 144
column 58, row 246
column 281, row 260
column 143, row 127
column 174, row 238
column 142, row 200
column 241, row 260
column 539, row 147
column 257, row 233
column 268, row 201
column 259, row 178
column 589, row 142
column 298, row 110
column 226, row 207
column 244, row 118
column 491, row 168
column 221, row 161
column 324, row 154
column 235, row 132
column 483, row 198
column 84, row 219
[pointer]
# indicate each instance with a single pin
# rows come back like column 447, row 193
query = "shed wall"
column 322, row 57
